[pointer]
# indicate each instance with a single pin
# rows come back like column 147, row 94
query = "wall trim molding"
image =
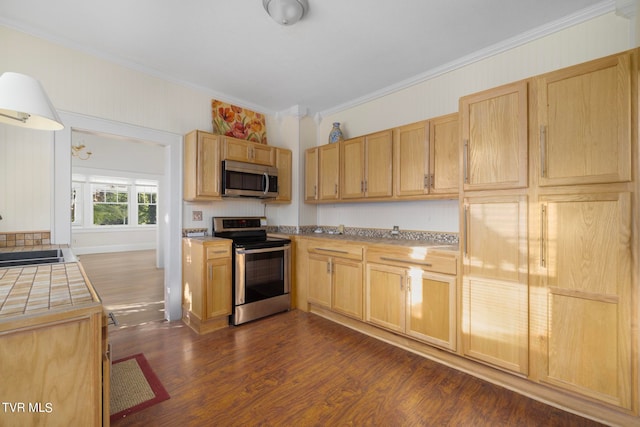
column 599, row 9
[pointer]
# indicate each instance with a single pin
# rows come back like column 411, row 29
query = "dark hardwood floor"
column 299, row 369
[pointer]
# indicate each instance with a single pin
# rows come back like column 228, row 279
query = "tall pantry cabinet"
column 549, row 232
column 584, row 285
column 494, row 227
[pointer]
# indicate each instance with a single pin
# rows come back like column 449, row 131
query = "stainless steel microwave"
column 241, row 179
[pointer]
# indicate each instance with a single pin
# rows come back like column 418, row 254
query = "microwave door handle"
column 266, row 183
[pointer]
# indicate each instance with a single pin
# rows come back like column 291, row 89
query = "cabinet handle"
column 336, row 189
column 331, row 250
column 426, row 264
column 464, row 230
column 362, row 186
column 426, row 181
column 402, row 284
column 315, row 191
column 329, row 266
column 543, row 229
column 408, row 284
column 432, row 181
column 465, row 160
column 365, row 186
column 543, row 151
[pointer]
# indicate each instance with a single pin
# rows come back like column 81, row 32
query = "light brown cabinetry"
column 54, row 366
column 247, row 151
column 444, row 165
column 494, row 135
column 283, row 163
column 201, row 166
column 366, row 166
column 425, row 156
column 584, row 123
column 413, row 293
column 584, row 267
column 206, row 283
column 322, row 173
column 335, row 277
column 495, row 320
column 311, row 174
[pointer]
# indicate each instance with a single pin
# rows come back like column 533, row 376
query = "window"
column 104, row 201
column 147, row 200
column 110, row 204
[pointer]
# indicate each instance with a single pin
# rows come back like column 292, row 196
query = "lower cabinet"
column 335, row 277
column 206, row 283
column 403, row 294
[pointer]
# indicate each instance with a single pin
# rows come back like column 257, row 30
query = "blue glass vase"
column 336, row 134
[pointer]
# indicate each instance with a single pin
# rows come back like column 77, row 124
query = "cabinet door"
column 311, row 174
column 495, row 281
column 319, row 280
column 262, row 154
column 218, row 288
column 347, row 287
column 329, row 167
column 378, row 156
column 494, row 133
column 585, row 123
column 444, row 155
column 283, row 163
column 385, row 296
column 208, row 166
column 586, row 275
column 235, row 149
column 431, row 308
column 411, row 157
column 353, row 167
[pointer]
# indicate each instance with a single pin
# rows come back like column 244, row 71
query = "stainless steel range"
column 262, row 268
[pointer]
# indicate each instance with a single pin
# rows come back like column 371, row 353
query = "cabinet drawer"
column 406, row 257
column 339, row 250
column 219, row 251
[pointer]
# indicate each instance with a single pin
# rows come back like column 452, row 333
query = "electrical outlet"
column 197, row 215
column 396, row 230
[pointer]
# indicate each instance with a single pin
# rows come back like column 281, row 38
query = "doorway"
column 170, row 194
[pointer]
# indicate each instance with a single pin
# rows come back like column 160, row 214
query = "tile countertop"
column 34, row 290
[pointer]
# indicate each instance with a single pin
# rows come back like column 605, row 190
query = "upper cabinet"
column 247, row 151
column 494, row 135
column 444, row 137
column 366, row 166
column 584, row 118
column 425, row 156
column 322, row 173
column 329, row 172
column 311, row 174
column 283, row 163
column 411, row 160
column 201, row 166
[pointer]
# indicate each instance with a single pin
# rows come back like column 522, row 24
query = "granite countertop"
column 431, row 244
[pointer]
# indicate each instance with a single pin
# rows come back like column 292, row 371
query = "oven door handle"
column 262, row 250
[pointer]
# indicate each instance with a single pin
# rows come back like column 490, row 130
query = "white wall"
column 25, row 179
column 439, row 95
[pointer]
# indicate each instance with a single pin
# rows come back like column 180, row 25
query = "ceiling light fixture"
column 286, row 12
column 24, row 103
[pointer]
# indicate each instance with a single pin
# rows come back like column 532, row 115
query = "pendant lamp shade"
column 24, row 103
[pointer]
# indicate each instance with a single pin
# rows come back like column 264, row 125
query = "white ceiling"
column 342, row 51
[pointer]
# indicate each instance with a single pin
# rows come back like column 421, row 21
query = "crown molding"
column 602, row 8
